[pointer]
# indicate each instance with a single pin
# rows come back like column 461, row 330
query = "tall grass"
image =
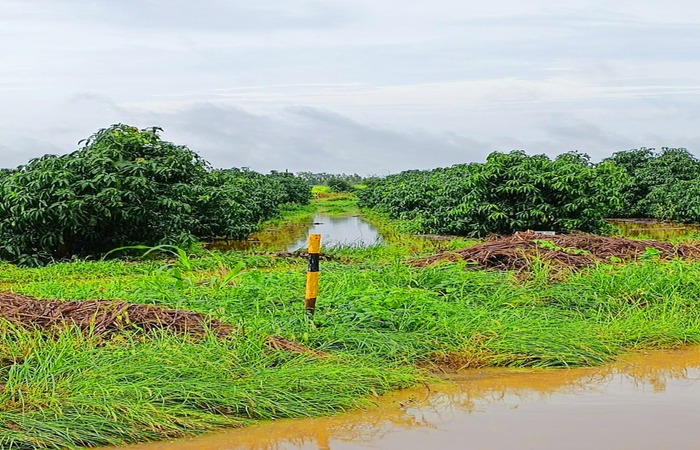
column 378, row 319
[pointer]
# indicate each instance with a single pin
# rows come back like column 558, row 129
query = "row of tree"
column 660, row 185
column 127, row 186
column 514, row 191
column 325, row 179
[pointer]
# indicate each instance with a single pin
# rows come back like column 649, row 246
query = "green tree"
column 656, row 183
column 127, row 186
column 509, row 192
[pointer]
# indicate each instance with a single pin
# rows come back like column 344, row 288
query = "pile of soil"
column 104, row 316
column 577, row 250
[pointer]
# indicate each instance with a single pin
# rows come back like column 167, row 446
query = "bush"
column 508, row 193
column 126, row 187
column 339, row 185
column 661, row 185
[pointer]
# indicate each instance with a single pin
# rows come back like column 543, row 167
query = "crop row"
column 514, row 191
column 127, row 186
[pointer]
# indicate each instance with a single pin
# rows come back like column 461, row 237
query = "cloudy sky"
column 367, row 86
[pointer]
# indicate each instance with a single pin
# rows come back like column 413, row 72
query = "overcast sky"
column 367, row 86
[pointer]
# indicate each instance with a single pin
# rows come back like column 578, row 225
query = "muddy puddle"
column 334, row 230
column 654, row 229
column 340, row 231
column 643, row 401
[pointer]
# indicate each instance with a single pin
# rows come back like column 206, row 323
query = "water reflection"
column 275, row 239
column 340, row 231
column 644, row 401
column 654, row 229
column 290, row 236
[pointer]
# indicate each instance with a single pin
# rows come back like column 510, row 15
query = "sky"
column 366, row 86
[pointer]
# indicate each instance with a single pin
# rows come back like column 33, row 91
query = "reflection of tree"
column 654, row 229
column 427, row 407
column 276, row 239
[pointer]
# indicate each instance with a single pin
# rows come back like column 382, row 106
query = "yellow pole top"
column 314, row 243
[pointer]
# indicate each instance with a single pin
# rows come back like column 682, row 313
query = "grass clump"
column 379, row 323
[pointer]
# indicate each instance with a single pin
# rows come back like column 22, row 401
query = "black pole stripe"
column 313, row 262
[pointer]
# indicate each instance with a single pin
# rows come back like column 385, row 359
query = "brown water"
column 291, row 236
column 340, row 231
column 654, row 229
column 643, row 401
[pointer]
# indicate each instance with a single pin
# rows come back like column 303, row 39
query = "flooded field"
column 643, row 401
column 654, row 229
column 334, row 231
column 340, row 231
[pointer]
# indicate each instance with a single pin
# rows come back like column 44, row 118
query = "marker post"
column 312, row 273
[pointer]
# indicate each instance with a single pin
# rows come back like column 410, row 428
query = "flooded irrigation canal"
column 654, row 229
column 340, row 231
column 643, row 401
column 334, row 230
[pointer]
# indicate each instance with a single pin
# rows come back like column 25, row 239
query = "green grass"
column 381, row 322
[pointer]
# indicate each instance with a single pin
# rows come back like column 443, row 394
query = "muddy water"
column 334, row 230
column 343, row 231
column 644, row 401
column 654, row 229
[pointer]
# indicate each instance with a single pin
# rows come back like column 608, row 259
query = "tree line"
column 127, row 186
column 514, row 191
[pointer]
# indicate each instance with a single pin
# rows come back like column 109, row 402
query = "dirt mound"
column 517, row 252
column 104, row 316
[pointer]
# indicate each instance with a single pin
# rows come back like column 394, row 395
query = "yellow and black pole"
column 312, row 273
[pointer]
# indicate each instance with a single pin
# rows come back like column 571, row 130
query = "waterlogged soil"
column 292, row 236
column 655, row 229
column 643, row 401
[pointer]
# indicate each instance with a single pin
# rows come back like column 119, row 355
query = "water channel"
column 654, row 229
column 349, row 231
column 642, row 401
column 356, row 232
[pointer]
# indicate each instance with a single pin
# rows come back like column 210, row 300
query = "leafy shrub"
column 661, row 185
column 126, row 187
column 509, row 192
column 322, row 178
column 679, row 201
column 293, row 189
column 339, row 185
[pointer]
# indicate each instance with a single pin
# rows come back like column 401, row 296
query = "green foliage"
column 339, row 185
column 508, row 193
column 291, row 189
column 662, row 185
column 376, row 319
column 128, row 187
column 314, row 179
column 679, row 201
column 232, row 202
column 5, row 173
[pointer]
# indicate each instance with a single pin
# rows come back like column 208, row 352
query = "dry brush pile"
column 104, row 316
column 576, row 250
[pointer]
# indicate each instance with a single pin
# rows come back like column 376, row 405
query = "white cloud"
column 389, row 85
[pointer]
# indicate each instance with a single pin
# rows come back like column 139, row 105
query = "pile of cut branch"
column 577, row 250
column 105, row 316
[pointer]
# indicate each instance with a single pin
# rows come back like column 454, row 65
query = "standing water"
column 654, row 229
column 340, row 231
column 291, row 236
column 643, row 401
